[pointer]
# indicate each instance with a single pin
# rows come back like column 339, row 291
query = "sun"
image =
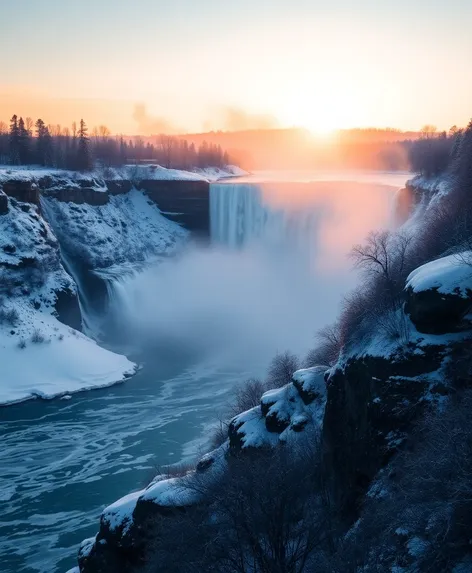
column 321, row 113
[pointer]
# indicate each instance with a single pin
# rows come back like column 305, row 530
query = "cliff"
column 365, row 411
column 58, row 230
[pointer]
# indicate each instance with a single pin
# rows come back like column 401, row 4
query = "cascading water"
column 240, row 214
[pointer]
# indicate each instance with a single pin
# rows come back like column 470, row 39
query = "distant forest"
column 25, row 142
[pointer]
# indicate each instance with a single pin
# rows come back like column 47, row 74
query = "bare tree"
column 281, row 368
column 247, row 396
column 29, row 124
column 384, row 256
column 267, row 514
column 329, row 346
column 167, row 143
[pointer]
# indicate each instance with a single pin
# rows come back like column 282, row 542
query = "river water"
column 198, row 326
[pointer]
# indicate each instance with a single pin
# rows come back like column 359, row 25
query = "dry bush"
column 326, row 352
column 281, row 368
column 265, row 514
column 9, row 316
column 219, row 434
column 37, row 337
column 247, row 396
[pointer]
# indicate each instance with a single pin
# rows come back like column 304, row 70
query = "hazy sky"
column 153, row 65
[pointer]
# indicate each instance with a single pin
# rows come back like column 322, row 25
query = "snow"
column 120, row 513
column 216, row 173
column 173, row 492
column 253, row 430
column 440, row 185
column 451, row 274
column 64, row 363
column 311, row 380
column 417, row 546
column 128, row 172
column 128, row 228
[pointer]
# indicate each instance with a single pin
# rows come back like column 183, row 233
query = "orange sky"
column 189, row 65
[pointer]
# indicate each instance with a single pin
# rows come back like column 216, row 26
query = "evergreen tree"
column 84, row 162
column 44, row 151
column 24, row 148
column 14, row 141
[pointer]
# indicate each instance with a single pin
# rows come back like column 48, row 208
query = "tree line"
column 436, row 152
column 25, row 142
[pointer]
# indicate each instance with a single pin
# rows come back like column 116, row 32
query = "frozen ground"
column 41, row 357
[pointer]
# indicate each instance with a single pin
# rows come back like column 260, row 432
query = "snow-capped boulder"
column 248, row 430
column 439, row 294
column 277, row 406
column 310, row 383
column 281, row 415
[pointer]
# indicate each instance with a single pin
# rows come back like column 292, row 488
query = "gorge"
column 190, row 320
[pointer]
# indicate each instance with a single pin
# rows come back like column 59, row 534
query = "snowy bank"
column 41, row 357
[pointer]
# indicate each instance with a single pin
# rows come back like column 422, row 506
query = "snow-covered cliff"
column 58, row 231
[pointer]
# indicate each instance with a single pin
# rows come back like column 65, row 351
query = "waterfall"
column 245, row 213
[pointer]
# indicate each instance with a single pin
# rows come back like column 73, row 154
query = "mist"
column 240, row 305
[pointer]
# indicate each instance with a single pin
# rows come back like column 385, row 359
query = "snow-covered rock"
column 448, row 275
column 310, row 383
column 439, row 294
column 283, row 413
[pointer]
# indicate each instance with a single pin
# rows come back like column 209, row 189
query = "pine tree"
column 44, row 151
column 14, row 151
column 84, row 162
column 24, row 148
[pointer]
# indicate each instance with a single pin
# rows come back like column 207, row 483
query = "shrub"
column 263, row 514
column 329, row 346
column 22, row 343
column 281, row 368
column 37, row 337
column 247, row 396
column 9, row 316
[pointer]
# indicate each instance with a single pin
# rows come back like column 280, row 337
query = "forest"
column 29, row 142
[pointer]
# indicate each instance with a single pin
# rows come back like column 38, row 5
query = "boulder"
column 310, row 383
column 439, row 295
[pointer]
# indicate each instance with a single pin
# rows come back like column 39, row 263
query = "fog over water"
column 199, row 324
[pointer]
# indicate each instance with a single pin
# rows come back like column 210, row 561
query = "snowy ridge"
column 127, row 172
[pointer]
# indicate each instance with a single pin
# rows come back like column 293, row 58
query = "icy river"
column 198, row 325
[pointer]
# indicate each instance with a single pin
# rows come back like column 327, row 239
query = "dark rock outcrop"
column 118, row 186
column 3, row 203
column 371, row 402
column 67, row 308
column 438, row 313
column 79, row 195
column 24, row 191
column 185, row 202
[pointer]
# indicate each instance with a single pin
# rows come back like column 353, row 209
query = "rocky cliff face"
column 103, row 219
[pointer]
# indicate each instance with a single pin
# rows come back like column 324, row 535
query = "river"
column 198, row 326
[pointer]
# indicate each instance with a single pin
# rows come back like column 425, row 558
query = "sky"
column 151, row 66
